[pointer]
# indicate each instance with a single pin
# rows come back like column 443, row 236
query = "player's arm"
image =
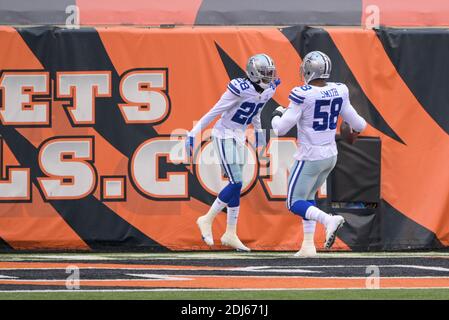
column 257, row 124
column 350, row 115
column 357, row 123
column 226, row 102
column 284, row 120
column 352, row 125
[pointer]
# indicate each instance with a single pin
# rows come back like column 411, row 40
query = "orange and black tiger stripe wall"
column 399, row 89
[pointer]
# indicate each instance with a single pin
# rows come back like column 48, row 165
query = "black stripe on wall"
column 420, row 56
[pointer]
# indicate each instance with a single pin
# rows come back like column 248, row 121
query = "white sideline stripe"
column 283, row 269
column 158, row 277
column 422, row 267
column 7, row 277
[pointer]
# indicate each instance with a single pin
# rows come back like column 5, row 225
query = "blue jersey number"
column 246, row 112
column 243, row 84
column 306, row 87
column 327, row 120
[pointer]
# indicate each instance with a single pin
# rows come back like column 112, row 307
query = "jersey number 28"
column 246, row 112
column 323, row 119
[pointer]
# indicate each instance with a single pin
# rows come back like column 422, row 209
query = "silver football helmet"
column 261, row 70
column 315, row 65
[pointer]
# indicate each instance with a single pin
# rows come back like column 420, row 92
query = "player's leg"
column 237, row 152
column 338, row 221
column 228, row 155
column 308, row 248
column 205, row 222
column 303, row 179
column 300, row 184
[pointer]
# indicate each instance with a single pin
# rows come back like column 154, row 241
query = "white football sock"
column 308, row 226
column 233, row 215
column 215, row 208
column 315, row 214
column 309, row 232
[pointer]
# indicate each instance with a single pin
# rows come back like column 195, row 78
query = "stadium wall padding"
column 388, row 82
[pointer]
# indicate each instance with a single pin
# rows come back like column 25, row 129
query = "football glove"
column 277, row 82
column 278, row 112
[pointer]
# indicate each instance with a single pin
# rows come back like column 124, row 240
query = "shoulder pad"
column 297, row 95
column 343, row 87
column 238, row 85
column 234, row 87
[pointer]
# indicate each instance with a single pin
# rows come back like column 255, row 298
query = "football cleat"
column 206, row 230
column 306, row 252
column 231, row 240
column 335, row 223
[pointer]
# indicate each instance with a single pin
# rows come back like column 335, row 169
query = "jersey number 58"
column 327, row 120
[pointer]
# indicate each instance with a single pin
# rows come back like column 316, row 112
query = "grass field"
column 347, row 294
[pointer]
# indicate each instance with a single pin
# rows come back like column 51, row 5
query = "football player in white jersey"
column 314, row 108
column 239, row 106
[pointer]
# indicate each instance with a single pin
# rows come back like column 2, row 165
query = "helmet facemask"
column 267, row 76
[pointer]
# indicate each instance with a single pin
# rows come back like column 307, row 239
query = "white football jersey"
column 239, row 106
column 315, row 111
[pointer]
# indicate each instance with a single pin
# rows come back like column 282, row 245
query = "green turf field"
column 378, row 294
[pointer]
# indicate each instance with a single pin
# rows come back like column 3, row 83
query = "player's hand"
column 347, row 133
column 278, row 112
column 189, row 143
column 277, row 82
